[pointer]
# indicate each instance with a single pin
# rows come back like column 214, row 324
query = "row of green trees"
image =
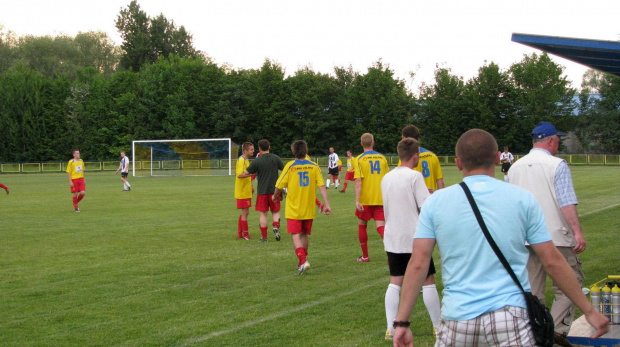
column 59, row 93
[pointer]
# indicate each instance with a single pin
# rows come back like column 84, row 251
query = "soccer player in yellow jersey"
column 75, row 170
column 369, row 171
column 244, row 190
column 350, row 174
column 428, row 165
column 317, row 201
column 301, row 177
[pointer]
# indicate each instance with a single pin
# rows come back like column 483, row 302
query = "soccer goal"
column 195, row 157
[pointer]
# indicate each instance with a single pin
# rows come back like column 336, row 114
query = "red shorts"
column 297, row 226
column 349, row 176
column 244, row 203
column 264, row 203
column 78, row 185
column 374, row 212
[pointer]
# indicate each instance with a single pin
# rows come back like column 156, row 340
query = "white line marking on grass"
column 599, row 210
column 276, row 315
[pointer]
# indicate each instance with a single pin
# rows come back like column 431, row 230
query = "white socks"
column 432, row 303
column 126, row 186
column 429, row 296
column 392, row 299
column 328, row 182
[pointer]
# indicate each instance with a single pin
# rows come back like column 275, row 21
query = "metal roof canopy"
column 599, row 55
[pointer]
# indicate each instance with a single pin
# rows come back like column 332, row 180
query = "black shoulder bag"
column 540, row 317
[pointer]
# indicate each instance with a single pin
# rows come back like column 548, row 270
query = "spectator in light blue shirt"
column 482, row 306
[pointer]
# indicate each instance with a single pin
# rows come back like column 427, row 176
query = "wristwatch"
column 397, row 324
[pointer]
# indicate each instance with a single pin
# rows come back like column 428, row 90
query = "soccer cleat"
column 388, row 335
column 77, row 209
column 276, row 232
column 303, row 268
column 342, row 191
column 129, row 188
column 125, row 190
column 363, row 259
column 248, row 238
column 263, row 240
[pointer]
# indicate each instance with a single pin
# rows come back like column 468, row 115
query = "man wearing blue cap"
column 549, row 179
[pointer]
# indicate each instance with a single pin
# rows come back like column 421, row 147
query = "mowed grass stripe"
column 160, row 266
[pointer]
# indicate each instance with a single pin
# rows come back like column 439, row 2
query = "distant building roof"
column 599, row 55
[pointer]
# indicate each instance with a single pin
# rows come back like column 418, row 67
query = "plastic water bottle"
column 595, row 297
column 615, row 301
column 606, row 296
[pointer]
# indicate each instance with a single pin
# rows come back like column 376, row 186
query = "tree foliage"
column 599, row 119
column 145, row 39
column 60, row 93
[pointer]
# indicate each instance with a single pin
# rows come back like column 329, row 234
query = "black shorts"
column 505, row 167
column 398, row 264
column 332, row 171
column 124, row 174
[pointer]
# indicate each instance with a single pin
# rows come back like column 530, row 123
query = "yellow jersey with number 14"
column 371, row 167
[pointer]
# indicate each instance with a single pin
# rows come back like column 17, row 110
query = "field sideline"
column 160, row 266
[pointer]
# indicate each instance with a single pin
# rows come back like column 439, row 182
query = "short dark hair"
column 407, row 148
column 411, row 131
column 300, row 148
column 476, row 148
column 263, row 145
column 75, row 150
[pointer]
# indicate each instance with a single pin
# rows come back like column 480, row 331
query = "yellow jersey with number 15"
column 301, row 178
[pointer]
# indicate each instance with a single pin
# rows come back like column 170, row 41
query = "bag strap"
column 488, row 236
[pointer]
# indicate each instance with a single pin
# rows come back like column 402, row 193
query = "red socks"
column 75, row 201
column 380, row 231
column 239, row 228
column 263, row 232
column 246, row 229
column 301, row 254
column 363, row 237
column 276, row 225
column 242, row 228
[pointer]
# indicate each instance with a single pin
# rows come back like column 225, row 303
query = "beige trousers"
column 562, row 309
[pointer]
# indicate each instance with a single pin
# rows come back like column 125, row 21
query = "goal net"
column 196, row 157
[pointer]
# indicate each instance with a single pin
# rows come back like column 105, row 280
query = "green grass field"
column 160, row 266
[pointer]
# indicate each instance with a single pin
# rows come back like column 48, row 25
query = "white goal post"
column 187, row 157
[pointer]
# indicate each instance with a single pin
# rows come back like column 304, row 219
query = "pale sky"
column 408, row 35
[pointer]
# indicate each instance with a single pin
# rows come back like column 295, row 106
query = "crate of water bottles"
column 605, row 297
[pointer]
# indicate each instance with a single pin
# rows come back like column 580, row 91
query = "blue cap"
column 544, row 129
